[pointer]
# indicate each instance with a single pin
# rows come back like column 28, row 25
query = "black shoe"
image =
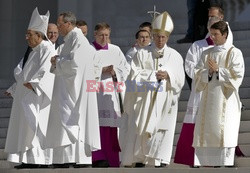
column 66, row 165
column 194, row 167
column 27, row 166
column 163, row 165
column 139, row 165
column 44, row 166
column 82, row 165
column 100, row 164
column 185, row 40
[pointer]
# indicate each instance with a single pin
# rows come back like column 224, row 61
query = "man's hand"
column 7, row 94
column 108, row 69
column 161, row 75
column 53, row 60
column 28, row 85
column 213, row 66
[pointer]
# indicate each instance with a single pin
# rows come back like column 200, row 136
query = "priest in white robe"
column 184, row 153
column 73, row 127
column 32, row 95
column 143, row 38
column 218, row 75
column 151, row 100
column 112, row 70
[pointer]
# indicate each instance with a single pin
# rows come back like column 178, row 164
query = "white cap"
column 163, row 23
column 39, row 22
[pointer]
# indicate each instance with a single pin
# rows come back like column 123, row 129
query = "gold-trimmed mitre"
column 163, row 23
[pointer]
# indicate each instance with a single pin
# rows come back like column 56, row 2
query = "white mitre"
column 39, row 22
column 163, row 23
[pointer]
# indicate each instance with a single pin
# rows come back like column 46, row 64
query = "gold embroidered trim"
column 233, row 74
column 164, row 20
column 203, row 119
column 224, row 104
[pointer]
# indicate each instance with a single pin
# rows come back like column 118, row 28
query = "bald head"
column 52, row 32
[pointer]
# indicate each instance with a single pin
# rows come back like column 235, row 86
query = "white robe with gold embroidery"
column 152, row 115
column 218, row 119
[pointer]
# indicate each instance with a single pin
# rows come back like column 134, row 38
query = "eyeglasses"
column 29, row 35
column 60, row 24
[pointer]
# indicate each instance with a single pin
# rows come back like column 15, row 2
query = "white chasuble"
column 152, row 105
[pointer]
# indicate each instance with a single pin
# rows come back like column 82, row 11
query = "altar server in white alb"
column 152, row 104
column 31, row 94
column 112, row 70
column 73, row 128
column 218, row 75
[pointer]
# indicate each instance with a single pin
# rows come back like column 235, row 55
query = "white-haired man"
column 31, row 94
column 73, row 128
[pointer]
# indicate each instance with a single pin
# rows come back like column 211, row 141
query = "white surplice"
column 73, row 128
column 108, row 98
column 131, row 53
column 30, row 108
column 217, row 123
column 152, row 115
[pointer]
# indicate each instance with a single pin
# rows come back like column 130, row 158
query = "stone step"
column 5, row 102
column 245, row 148
column 244, row 94
column 2, row 90
column 3, row 132
column 245, row 116
column 5, row 112
column 246, row 82
column 181, row 28
column 5, row 83
column 244, row 127
column 243, row 162
column 170, row 169
column 2, row 143
column 241, row 35
column 4, row 122
column 240, row 26
column 246, row 103
column 237, row 36
column 244, row 138
column 183, row 104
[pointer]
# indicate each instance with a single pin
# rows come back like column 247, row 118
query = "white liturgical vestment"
column 218, row 119
column 152, row 105
column 30, row 108
column 73, row 129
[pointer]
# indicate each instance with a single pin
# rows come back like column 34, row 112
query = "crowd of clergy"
column 82, row 104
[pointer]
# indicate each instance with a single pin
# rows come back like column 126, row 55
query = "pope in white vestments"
column 73, row 128
column 32, row 95
column 151, row 100
column 218, row 75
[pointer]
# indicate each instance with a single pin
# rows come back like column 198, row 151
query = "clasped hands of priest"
column 109, row 70
column 213, row 66
column 53, row 60
column 161, row 75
